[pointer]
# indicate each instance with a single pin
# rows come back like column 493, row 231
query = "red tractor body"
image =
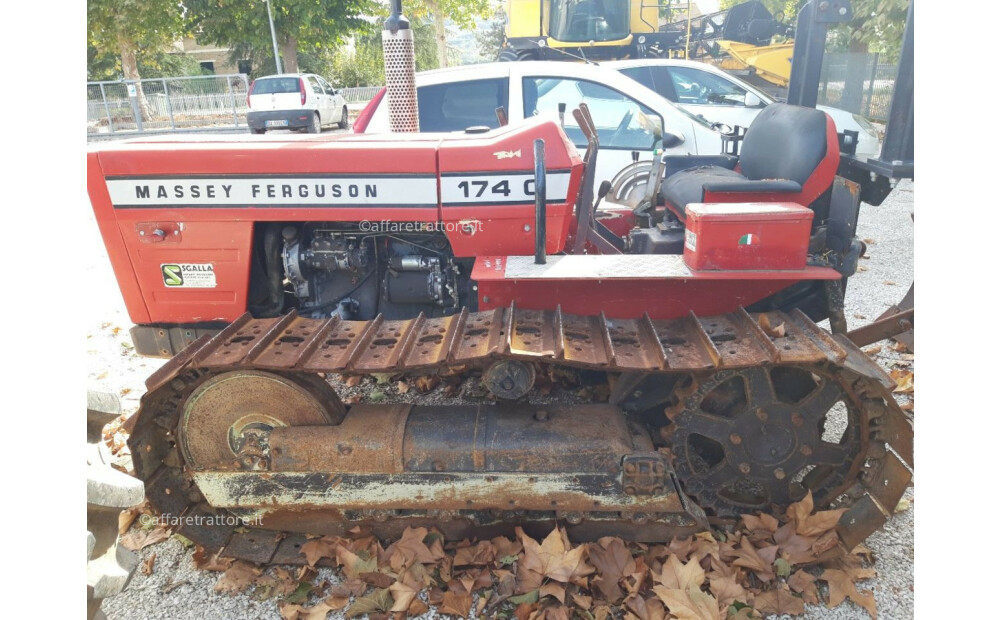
column 183, row 221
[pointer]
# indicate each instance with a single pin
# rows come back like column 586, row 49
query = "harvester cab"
column 269, row 264
column 584, row 30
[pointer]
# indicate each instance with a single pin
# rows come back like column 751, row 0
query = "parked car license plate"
column 276, row 123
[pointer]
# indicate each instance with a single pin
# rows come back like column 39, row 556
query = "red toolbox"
column 747, row 236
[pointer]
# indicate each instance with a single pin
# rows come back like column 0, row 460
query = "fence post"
column 170, row 109
column 232, row 100
column 104, row 99
column 133, row 97
column 871, row 88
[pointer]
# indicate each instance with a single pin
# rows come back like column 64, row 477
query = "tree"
column 463, row 13
column 126, row 27
column 490, row 39
column 311, row 25
column 364, row 65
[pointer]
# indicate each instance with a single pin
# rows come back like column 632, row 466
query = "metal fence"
column 212, row 102
column 861, row 83
column 360, row 94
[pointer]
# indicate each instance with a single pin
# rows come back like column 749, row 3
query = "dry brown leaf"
column 417, row 608
column 842, row 586
column 240, row 576
column 581, row 601
column 646, row 608
column 552, row 559
column 353, row 564
column 774, row 331
column 352, row 400
column 319, row 548
column 690, row 604
column 377, row 579
column 554, row 589
column 805, row 584
column 379, row 600
column 612, row 561
column 147, row 564
column 125, row 519
column 140, row 539
column 727, row 590
column 481, row 554
column 204, row 561
column 759, row 561
column 402, row 387
column 456, row 604
column 819, row 523
column 779, row 601
column 353, row 380
column 676, row 575
column 904, row 381
column 410, row 548
column 427, row 383
column 873, row 349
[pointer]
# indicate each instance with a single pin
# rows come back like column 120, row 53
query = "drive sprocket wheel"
column 758, row 439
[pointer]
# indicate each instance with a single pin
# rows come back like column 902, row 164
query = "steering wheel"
column 622, row 126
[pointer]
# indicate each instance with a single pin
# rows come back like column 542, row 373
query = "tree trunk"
column 130, row 70
column 290, row 55
column 439, row 35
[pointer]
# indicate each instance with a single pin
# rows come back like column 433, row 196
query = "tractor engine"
column 329, row 269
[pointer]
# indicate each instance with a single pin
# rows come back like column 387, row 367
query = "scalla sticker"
column 691, row 240
column 188, row 275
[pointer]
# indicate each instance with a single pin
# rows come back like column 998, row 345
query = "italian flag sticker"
column 749, row 239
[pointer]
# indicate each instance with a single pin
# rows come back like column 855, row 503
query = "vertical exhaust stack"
column 400, row 71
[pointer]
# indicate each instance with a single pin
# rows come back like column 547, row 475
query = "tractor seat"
column 789, row 154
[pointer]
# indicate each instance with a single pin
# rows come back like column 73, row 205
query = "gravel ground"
column 113, row 366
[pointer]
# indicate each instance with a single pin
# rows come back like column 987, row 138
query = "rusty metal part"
column 888, row 326
column 225, row 421
column 895, row 323
column 509, row 379
column 749, row 439
column 480, row 469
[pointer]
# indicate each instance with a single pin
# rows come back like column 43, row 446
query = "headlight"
column 868, row 127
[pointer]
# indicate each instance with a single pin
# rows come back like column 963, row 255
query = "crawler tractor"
column 273, row 263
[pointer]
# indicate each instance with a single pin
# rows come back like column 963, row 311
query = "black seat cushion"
column 784, row 142
column 685, row 187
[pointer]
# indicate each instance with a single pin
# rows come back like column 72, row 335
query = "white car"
column 294, row 101
column 629, row 117
column 718, row 97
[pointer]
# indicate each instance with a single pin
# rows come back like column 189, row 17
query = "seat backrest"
column 784, row 142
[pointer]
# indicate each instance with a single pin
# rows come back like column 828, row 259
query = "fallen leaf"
column 481, row 554
column 858, row 315
column 841, row 587
column 353, row 380
column 240, row 576
column 804, row 584
column 427, row 383
column 902, row 506
column 678, row 576
column 402, row 387
column 554, row 589
column 319, row 548
column 456, row 604
column 147, row 564
column 690, row 604
column 204, row 561
column 749, row 557
column 904, row 381
column 612, row 561
column 727, row 590
column 552, row 559
column 125, row 520
column 889, row 283
column 379, row 600
column 779, row 601
column 140, row 539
